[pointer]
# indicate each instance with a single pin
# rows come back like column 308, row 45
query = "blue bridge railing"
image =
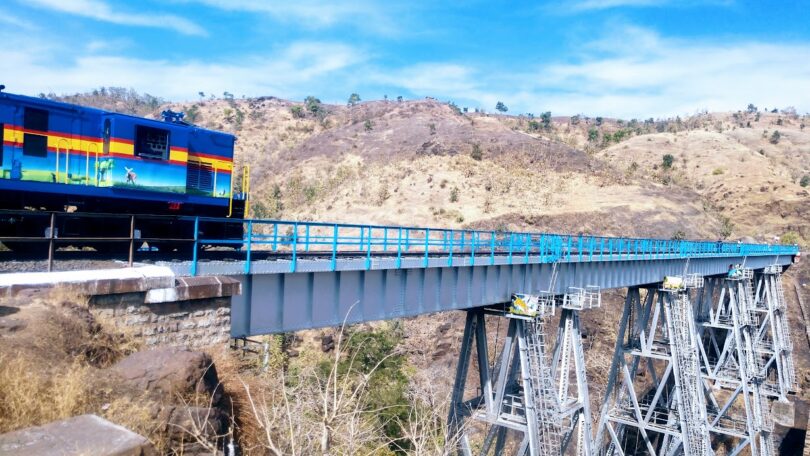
column 293, row 240
column 335, row 240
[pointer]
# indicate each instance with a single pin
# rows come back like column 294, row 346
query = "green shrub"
column 546, row 119
column 790, row 238
column 667, row 161
column 313, row 104
column 297, row 111
column 805, row 181
column 193, row 114
column 454, row 195
column 717, row 171
column 374, row 354
column 726, row 227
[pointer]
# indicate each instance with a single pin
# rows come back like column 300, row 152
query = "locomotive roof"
column 46, row 103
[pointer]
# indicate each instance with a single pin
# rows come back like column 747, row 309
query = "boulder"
column 327, row 343
column 171, row 371
column 188, row 426
column 9, row 325
column 80, row 435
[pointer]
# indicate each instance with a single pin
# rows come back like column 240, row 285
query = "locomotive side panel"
column 210, row 163
column 55, row 145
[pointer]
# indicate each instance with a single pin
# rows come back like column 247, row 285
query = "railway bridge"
column 702, row 350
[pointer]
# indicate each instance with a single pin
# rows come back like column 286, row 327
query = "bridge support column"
column 654, row 400
column 572, row 385
column 736, row 359
column 534, row 399
column 773, row 333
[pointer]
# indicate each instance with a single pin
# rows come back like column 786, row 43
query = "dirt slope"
column 418, row 163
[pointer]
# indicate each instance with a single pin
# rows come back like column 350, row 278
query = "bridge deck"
column 322, row 273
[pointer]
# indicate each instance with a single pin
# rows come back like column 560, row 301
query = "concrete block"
column 80, row 435
column 89, row 282
column 784, row 413
column 192, row 288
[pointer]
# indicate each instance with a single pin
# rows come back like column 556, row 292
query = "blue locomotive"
column 62, row 157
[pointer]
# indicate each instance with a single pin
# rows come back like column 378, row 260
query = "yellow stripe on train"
column 219, row 164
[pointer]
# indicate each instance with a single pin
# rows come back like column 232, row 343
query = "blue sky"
column 627, row 58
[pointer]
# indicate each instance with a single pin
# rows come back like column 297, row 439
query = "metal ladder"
column 691, row 407
column 546, row 402
column 785, row 341
column 752, row 372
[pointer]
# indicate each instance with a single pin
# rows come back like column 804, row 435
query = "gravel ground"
column 59, row 265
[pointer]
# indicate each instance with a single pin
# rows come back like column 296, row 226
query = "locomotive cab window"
column 35, row 144
column 151, row 143
column 106, row 136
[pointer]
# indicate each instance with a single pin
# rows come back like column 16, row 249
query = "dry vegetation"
column 52, row 367
column 423, row 163
column 362, row 398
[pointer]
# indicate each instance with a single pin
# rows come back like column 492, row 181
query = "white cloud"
column 294, row 71
column 101, row 11
column 587, row 5
column 430, row 79
column 313, row 14
column 669, row 77
column 7, row 18
column 656, row 77
column 632, row 73
column 597, row 5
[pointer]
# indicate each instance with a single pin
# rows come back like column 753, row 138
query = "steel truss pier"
column 536, row 389
column 654, row 402
column 694, row 369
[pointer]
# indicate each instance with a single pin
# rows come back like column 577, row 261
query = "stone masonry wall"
column 191, row 323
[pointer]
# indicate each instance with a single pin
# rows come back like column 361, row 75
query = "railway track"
column 73, row 259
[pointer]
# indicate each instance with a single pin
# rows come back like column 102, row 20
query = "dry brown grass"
column 30, row 398
column 54, row 369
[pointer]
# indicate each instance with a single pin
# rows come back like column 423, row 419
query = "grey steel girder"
column 277, row 301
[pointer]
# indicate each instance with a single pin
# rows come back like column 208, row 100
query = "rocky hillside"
column 423, row 162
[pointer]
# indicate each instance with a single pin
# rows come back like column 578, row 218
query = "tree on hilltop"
column 546, row 119
column 353, row 99
column 313, row 104
column 501, row 107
